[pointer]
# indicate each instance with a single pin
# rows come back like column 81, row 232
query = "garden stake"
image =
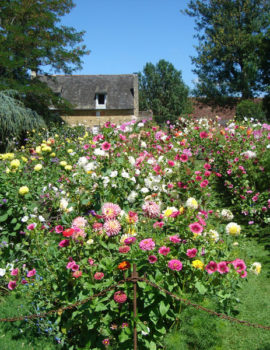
column 134, row 277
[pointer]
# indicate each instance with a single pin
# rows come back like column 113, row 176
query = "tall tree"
column 230, row 35
column 162, row 90
column 32, row 39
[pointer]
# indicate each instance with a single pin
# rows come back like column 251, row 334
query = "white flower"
column 140, row 125
column 25, row 218
column 192, row 203
column 137, row 172
column 41, row 218
column 227, row 214
column 99, row 152
column 132, row 196
column 90, row 166
column 114, row 173
column 2, row 272
column 249, row 154
column 106, row 180
column 151, row 161
column 131, row 160
column 144, row 190
column 133, row 179
column 147, row 332
column 233, row 229
column 143, row 144
column 63, row 203
column 125, row 174
column 82, row 161
column 213, row 234
column 256, row 268
column 90, row 241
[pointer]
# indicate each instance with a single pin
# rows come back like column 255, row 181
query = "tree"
column 33, row 40
column 230, row 34
column 162, row 90
column 15, row 120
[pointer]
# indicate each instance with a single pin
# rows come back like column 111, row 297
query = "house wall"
column 89, row 118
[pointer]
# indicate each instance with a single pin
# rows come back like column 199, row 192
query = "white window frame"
column 101, row 106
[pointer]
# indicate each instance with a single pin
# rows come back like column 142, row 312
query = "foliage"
column 247, row 109
column 96, row 204
column 162, row 90
column 231, row 35
column 31, row 40
column 15, row 120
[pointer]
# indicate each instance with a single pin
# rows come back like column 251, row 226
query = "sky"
column 124, row 35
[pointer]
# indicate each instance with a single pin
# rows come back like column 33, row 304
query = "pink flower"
column 243, row 274
column 31, row 226
column 171, row 163
column 222, row 267
column 75, row 267
column 152, row 259
column 70, row 264
column 158, row 224
column 79, row 222
column 106, row 341
column 204, row 183
column 175, row 239
column 77, row 274
column 112, row 227
column 239, row 265
column 151, row 209
column 196, row 228
column 211, row 267
column 63, row 243
column 110, row 211
column 120, row 297
column 130, row 240
column 207, row 166
column 164, row 250
column 12, row 285
column 78, row 232
column 175, row 265
column 98, row 276
column 31, row 273
column 14, row 272
column 191, row 253
column 147, row 244
column 106, row 146
column 91, row 261
column 183, row 158
column 59, row 229
column 124, row 249
column 86, row 146
column 203, row 135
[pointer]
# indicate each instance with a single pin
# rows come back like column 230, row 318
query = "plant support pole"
column 134, row 275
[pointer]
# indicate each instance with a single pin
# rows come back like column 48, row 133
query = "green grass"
column 20, row 335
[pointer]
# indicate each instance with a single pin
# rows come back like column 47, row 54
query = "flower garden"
column 78, row 209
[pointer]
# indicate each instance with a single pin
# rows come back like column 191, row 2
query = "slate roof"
column 81, row 90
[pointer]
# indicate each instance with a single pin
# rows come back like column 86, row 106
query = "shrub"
column 249, row 109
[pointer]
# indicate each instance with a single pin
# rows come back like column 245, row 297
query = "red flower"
column 77, row 274
column 125, row 265
column 120, row 297
column 68, row 232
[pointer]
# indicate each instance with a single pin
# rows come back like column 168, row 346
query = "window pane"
column 101, row 99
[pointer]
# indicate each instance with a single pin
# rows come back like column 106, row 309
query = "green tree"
column 162, row 90
column 15, row 120
column 230, row 35
column 32, row 39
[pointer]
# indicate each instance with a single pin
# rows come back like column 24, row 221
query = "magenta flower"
column 152, row 259
column 183, row 158
column 14, row 272
column 222, row 267
column 106, row 146
column 31, row 226
column 12, row 285
column 164, row 250
column 211, row 267
column 59, row 229
column 63, row 243
column 191, row 253
column 175, row 265
column 120, row 297
column 239, row 265
column 70, row 264
column 196, row 228
column 203, row 135
column 130, row 240
column 175, row 239
column 31, row 273
column 106, row 341
column 147, row 244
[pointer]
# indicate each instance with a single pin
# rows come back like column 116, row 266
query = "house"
column 98, row 98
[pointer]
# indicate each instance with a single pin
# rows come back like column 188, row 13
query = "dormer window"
column 101, row 101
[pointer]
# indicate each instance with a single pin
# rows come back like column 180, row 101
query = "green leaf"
column 152, row 346
column 3, row 217
column 163, row 308
column 123, row 337
column 201, row 288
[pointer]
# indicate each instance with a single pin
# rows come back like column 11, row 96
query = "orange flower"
column 222, row 132
column 249, row 132
column 124, row 265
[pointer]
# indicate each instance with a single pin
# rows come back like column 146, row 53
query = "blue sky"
column 123, row 35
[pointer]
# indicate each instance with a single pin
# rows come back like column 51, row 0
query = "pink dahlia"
column 152, row 259
column 151, row 209
column 110, row 211
column 211, row 267
column 164, row 250
column 120, row 297
column 175, row 265
column 175, row 239
column 12, row 285
column 147, row 244
column 112, row 227
column 191, row 253
column 78, row 232
column 203, row 135
column 196, row 228
column 222, row 267
column 79, row 222
column 124, row 249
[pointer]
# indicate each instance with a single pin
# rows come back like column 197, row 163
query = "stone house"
column 98, row 98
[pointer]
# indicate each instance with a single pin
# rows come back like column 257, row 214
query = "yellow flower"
column 63, row 163
column 198, row 264
column 56, row 136
column 168, row 212
column 256, row 268
column 68, row 167
column 69, row 150
column 23, row 190
column 8, row 156
column 38, row 167
column 24, row 159
column 38, row 150
column 192, row 203
column 181, row 210
column 233, row 229
column 7, row 170
column 46, row 148
column 52, row 154
column 15, row 163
